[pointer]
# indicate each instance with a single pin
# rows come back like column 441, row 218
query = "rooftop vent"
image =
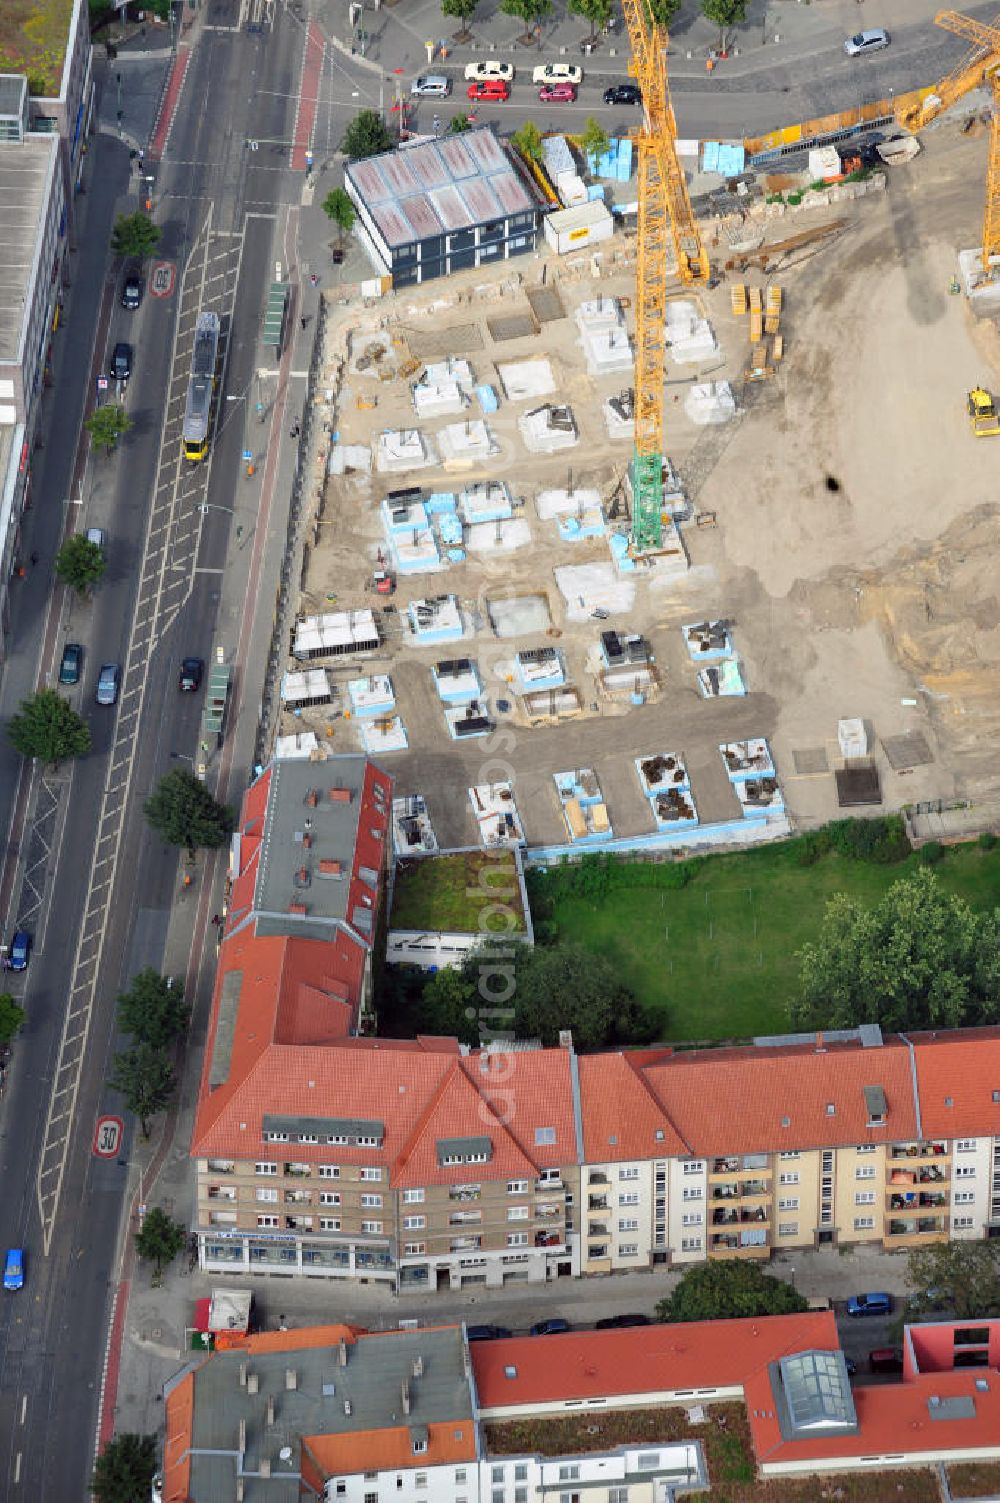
column 343, row 1352
column 253, row 1382
column 270, row 1409
column 291, row 1379
column 312, row 798
column 299, row 908
column 348, row 1407
column 418, row 1367
column 340, row 795
column 265, row 1466
column 328, row 868
column 405, row 1392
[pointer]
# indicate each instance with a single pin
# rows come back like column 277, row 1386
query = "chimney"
column 253, row 1382
column 418, row 1367
column 340, row 795
column 312, row 798
column 243, row 1437
column 406, row 1396
column 329, row 868
column 343, row 1352
column 299, row 908
column 243, row 1375
column 566, row 1039
column 302, row 875
column 307, row 841
column 265, row 1466
column 820, row 1046
column 270, row 1409
column 347, row 1407
column 291, row 1379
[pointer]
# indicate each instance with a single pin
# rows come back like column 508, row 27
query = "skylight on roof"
column 544, row 1135
column 510, row 1372
column 817, row 1393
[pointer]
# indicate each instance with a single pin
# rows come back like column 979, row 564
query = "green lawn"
column 451, row 892
column 717, row 959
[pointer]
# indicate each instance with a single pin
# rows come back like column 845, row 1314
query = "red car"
column 557, row 93
column 489, row 88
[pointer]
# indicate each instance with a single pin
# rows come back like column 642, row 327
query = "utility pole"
column 121, row 113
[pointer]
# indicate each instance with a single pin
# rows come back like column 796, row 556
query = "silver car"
column 431, row 86
column 866, row 41
column 107, row 683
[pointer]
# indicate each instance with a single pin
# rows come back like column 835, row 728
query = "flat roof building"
column 444, row 205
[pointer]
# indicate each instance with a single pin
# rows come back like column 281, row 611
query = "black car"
column 190, row 676
column 619, row 1322
column 487, row 1333
column 121, row 361
column 132, row 290
column 554, row 1327
column 623, row 93
column 72, row 662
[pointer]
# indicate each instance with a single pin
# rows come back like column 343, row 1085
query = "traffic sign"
column 247, row 455
column 162, row 278
column 102, row 383
column 108, row 1137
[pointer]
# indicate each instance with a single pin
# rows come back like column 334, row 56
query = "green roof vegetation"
column 449, row 894
column 33, row 39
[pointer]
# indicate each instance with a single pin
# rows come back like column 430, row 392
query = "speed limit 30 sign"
column 108, row 1137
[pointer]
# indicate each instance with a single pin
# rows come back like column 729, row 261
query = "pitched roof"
column 801, row 1096
column 375, row 1450
column 457, row 1111
column 531, row 1092
column 622, row 1118
column 958, row 1074
column 640, row 1360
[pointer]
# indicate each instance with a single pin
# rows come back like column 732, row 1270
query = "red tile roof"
column 456, row 1110
column 959, row 1079
column 622, row 1118
column 642, row 1360
column 531, row 1092
column 738, row 1100
column 376, row 1450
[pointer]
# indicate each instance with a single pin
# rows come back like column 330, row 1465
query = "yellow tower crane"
column 981, row 65
column 666, row 219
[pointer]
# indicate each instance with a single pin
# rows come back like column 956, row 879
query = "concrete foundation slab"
column 519, row 615
column 523, row 380
column 400, row 449
column 467, row 443
column 587, row 588
column 501, row 536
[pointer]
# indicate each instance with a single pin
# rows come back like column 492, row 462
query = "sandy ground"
column 855, row 546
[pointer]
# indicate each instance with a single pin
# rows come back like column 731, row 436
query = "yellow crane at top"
column 666, row 220
column 981, row 65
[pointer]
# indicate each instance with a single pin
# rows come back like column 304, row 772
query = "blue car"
column 13, row 1268
column 869, row 1304
column 20, row 949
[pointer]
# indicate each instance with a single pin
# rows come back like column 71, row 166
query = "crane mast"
column 666, row 220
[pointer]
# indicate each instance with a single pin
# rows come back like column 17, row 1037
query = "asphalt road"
column 53, row 1334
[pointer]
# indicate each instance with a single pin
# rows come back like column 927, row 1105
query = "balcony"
column 466, row 1244
column 298, row 1171
column 743, row 1190
column 549, row 1187
column 597, row 1202
column 548, row 1239
column 597, row 1177
column 735, row 1244
column 465, row 1218
column 465, row 1192
column 915, row 1226
column 596, row 1252
column 297, row 1197
column 738, row 1165
column 910, row 1200
column 734, row 1217
column 928, row 1150
column 547, row 1211
column 597, row 1229
column 222, row 1192
column 221, row 1166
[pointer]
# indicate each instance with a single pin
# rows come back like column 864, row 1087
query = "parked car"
column 131, row 290
column 623, row 93
column 190, row 675
column 20, row 949
column 107, row 683
column 72, row 663
column 869, row 1304
column 886, row 1359
column 431, row 86
column 558, row 73
column 557, row 93
column 490, row 89
column 487, row 1333
column 490, row 68
column 121, row 362
column 13, row 1268
column 554, row 1327
column 619, row 1322
column 872, row 40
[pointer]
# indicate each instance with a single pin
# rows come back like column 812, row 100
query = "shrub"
column 882, row 840
column 931, row 853
column 987, row 840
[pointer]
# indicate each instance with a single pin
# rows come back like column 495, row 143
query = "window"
column 328, row 1171
column 265, row 1168
column 372, row 1202
column 788, row 1228
column 962, row 1223
column 275, row 1137
column 371, row 1497
column 695, row 1166
column 864, row 1223
column 629, row 1198
column 375, row 1174
column 412, row 1197
column 371, row 1226
column 628, row 1224
column 617, row 1495
column 628, row 1250
column 414, row 1223
column 420, row 1480
column 520, row 1495
column 266, row 1193
column 965, row 1171
column 789, row 1153
column 341, row 1487
column 419, row 1449
column 517, row 1239
column 497, row 1495
column 221, row 1166
column 690, row 1244
column 789, row 1177
column 864, row 1197
column 628, row 1171
column 965, row 1145
column 518, row 1213
column 517, row 1187
column 570, row 1472
column 414, row 1249
column 329, row 1197
column 865, row 1148
column 267, row 1221
column 964, row 1197
column 550, row 1177
column 691, row 1192
column 459, row 1475
column 865, row 1171
column 789, row 1204
column 521, row 1471
column 648, row 1461
column 691, row 1218
column 329, row 1223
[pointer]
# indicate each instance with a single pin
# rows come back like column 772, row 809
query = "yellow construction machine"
column 983, row 416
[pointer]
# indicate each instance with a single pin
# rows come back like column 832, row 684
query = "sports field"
column 717, row 959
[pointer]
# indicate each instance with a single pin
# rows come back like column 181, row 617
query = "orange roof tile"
column 757, row 1100
column 370, row 1450
column 622, row 1118
column 531, row 1091
column 458, row 1111
column 958, row 1074
column 179, row 1427
column 641, row 1360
